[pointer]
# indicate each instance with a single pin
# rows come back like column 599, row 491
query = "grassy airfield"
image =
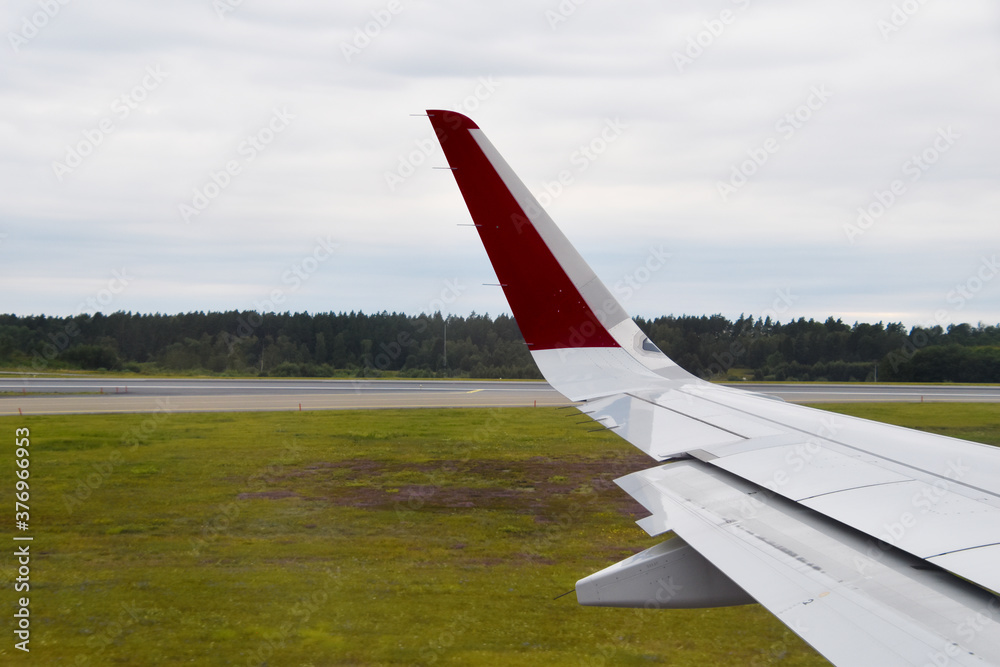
column 364, row 537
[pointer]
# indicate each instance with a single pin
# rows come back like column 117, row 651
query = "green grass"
column 367, row 537
column 979, row 422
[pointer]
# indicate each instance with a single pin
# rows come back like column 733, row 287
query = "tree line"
column 247, row 343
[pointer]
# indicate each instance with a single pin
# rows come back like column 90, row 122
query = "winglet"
column 578, row 333
column 541, row 274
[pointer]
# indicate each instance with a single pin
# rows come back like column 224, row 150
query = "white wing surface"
column 878, row 545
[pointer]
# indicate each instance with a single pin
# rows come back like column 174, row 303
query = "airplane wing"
column 878, row 545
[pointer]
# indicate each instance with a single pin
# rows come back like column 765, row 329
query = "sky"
column 784, row 159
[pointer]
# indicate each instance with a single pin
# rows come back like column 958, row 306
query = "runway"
column 96, row 395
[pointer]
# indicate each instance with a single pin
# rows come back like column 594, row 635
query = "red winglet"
column 548, row 307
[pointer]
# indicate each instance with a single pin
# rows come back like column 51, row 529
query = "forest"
column 356, row 344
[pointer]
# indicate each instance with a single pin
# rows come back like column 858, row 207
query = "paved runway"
column 104, row 395
column 76, row 395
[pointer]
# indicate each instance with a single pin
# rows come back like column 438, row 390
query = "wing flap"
column 805, row 469
column 818, row 577
column 851, row 470
column 923, row 519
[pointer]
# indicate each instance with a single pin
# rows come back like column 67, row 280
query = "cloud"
column 543, row 81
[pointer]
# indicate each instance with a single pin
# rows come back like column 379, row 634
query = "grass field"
column 367, row 537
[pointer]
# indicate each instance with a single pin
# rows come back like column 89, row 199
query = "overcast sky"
column 783, row 158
